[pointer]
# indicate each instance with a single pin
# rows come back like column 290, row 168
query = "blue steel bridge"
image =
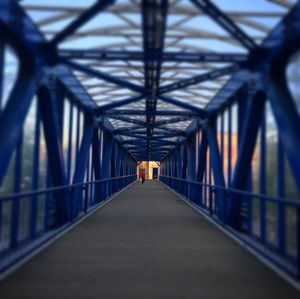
column 207, row 89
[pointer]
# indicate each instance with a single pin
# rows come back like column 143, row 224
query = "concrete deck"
column 145, row 244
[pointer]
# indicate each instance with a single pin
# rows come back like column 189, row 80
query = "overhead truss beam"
column 80, row 21
column 106, row 55
column 225, row 22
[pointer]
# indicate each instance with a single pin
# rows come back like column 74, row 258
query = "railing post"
column 2, row 64
column 243, row 104
column 184, row 170
column 287, row 117
column 216, row 162
column 81, row 163
column 35, row 176
column 191, row 165
column 107, row 144
column 13, row 116
column 201, row 165
column 96, row 150
column 15, row 215
column 252, row 122
column 262, row 180
column 55, row 153
column 281, row 194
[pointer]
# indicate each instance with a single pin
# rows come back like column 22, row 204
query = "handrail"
column 292, row 202
column 19, row 243
column 274, row 250
column 59, row 188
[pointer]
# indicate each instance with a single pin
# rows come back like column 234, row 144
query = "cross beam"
column 112, row 55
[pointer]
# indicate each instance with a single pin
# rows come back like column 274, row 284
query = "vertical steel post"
column 2, row 64
column 55, row 152
column 253, row 117
column 229, row 143
column 69, row 149
column 13, row 116
column 262, row 179
column 217, row 169
column 287, row 118
column 105, row 165
column 202, row 164
column 281, row 194
column 35, row 175
column 184, row 169
column 96, row 163
column 243, row 104
column 81, row 163
column 15, row 216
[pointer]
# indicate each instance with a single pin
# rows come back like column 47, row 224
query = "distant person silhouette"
column 142, row 176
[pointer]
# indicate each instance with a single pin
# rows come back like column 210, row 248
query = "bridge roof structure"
column 153, row 69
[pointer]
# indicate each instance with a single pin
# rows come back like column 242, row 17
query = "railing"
column 269, row 225
column 29, row 220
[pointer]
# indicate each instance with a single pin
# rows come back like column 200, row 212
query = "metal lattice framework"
column 155, row 64
column 152, row 79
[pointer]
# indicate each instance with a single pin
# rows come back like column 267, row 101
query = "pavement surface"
column 146, row 243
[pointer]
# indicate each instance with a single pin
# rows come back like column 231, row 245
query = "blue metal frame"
column 14, row 114
column 82, row 164
column 141, row 56
column 199, row 78
column 246, row 149
column 80, row 21
column 54, row 150
column 223, row 20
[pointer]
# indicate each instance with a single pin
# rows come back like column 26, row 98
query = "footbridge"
column 200, row 96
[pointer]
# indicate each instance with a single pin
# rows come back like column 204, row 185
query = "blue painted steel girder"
column 141, row 56
column 173, row 130
column 217, row 167
column 2, row 48
column 172, row 120
column 103, row 109
column 54, row 152
column 153, row 142
column 144, row 146
column 181, row 104
column 96, row 154
column 253, row 118
column 80, row 21
column 154, row 27
column 139, row 129
column 26, row 38
column 103, row 76
column 199, row 78
column 146, row 125
column 81, row 163
column 157, row 113
column 13, row 116
column 130, row 129
column 145, row 151
column 156, row 136
column 225, row 22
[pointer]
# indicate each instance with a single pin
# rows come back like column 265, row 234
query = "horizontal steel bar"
column 156, row 113
column 141, row 56
column 290, row 202
column 59, row 188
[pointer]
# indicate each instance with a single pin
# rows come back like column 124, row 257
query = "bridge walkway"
column 145, row 244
